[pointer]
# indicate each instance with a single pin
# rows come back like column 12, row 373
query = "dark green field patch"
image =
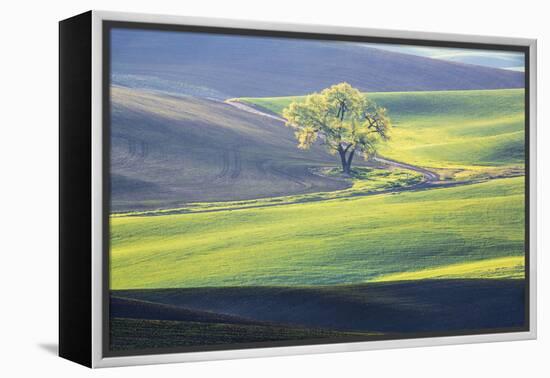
column 136, row 334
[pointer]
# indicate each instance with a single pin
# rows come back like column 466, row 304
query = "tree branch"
column 347, row 148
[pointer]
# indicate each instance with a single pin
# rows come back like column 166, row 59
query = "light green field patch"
column 499, row 268
column 477, row 133
column 344, row 241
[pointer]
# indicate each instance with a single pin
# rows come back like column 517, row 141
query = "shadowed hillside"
column 169, row 150
column 137, row 324
column 222, row 66
column 393, row 307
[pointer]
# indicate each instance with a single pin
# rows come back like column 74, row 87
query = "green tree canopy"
column 345, row 120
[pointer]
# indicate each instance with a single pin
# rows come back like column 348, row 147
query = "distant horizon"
column 507, row 60
column 222, row 66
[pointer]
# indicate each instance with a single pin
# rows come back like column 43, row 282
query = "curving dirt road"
column 250, row 109
column 428, row 175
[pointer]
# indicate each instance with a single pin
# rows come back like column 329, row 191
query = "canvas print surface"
column 270, row 191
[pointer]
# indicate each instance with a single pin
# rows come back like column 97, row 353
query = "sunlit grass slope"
column 463, row 133
column 342, row 241
column 500, row 267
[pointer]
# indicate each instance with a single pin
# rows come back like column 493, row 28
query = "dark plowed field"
column 170, row 150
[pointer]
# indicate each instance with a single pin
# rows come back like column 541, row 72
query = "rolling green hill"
column 340, row 241
column 461, row 134
column 168, row 151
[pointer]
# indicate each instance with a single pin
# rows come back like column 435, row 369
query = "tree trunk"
column 348, row 163
column 343, row 159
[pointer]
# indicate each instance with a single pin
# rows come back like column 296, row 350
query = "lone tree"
column 344, row 119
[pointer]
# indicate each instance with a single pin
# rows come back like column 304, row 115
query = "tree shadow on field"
column 51, row 348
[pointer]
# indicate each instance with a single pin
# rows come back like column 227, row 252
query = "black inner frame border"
column 107, row 26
